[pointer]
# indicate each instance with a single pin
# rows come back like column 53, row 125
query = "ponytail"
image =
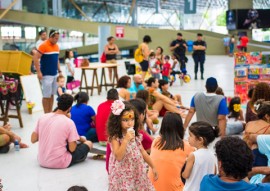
column 81, row 98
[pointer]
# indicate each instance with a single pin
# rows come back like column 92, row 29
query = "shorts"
column 113, row 61
column 49, row 86
column 144, row 65
column 80, row 154
column 2, row 140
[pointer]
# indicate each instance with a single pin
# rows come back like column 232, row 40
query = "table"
column 98, row 86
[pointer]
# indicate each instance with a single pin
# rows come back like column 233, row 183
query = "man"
column 234, row 162
column 209, row 107
column 244, row 42
column 199, row 47
column 136, row 85
column 7, row 137
column 57, row 136
column 47, row 63
column 179, row 47
column 42, row 38
column 103, row 113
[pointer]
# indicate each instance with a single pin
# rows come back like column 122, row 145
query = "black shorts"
column 144, row 65
column 80, row 154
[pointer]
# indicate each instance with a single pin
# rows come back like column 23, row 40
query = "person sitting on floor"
column 57, row 136
column 136, row 85
column 123, row 84
column 7, row 137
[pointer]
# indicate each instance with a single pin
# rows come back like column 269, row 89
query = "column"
column 103, row 33
column 134, row 21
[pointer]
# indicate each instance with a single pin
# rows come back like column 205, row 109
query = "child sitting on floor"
column 61, row 86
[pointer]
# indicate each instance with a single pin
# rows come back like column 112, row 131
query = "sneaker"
column 195, row 77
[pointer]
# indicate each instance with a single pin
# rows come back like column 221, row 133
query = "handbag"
column 74, row 84
column 103, row 58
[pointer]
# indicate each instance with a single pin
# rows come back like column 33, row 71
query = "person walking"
column 199, row 47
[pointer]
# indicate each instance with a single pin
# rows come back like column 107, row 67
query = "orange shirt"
column 168, row 164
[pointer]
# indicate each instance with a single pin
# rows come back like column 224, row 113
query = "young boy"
column 166, row 69
column 61, row 85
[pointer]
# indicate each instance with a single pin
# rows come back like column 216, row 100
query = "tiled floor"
column 20, row 171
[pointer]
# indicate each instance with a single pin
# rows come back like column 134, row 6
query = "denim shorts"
column 49, row 86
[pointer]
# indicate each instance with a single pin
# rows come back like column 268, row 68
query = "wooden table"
column 98, row 86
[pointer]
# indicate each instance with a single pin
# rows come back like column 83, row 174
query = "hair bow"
column 236, row 107
column 117, row 107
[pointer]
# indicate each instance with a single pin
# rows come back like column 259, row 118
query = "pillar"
column 134, row 21
column 103, row 33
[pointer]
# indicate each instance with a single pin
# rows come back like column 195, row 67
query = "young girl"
column 127, row 170
column 154, row 66
column 169, row 152
column 61, row 86
column 202, row 161
column 69, row 61
column 235, row 119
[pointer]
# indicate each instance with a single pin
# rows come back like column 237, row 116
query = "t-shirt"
column 103, row 113
column 49, row 58
column 166, row 69
column 38, row 43
column 226, row 41
column 244, row 41
column 168, row 164
column 214, row 183
column 82, row 117
column 180, row 50
column 54, row 132
column 72, row 66
column 146, row 140
column 197, row 43
column 134, row 89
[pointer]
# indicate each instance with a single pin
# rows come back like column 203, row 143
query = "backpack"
column 103, row 58
column 138, row 55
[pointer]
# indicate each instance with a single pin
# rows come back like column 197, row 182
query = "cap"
column 211, row 82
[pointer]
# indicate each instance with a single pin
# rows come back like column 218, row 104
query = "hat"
column 211, row 82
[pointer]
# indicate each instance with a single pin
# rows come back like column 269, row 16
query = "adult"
column 179, row 47
column 234, row 162
column 103, row 113
column 145, row 52
column 57, row 136
column 7, row 137
column 226, row 43
column 111, row 50
column 136, row 85
column 157, row 101
column 169, row 153
column 199, row 47
column 42, row 37
column 209, row 107
column 260, row 126
column 261, row 91
column 244, row 42
column 232, row 45
column 70, row 67
column 47, row 63
column 159, row 56
column 84, row 117
column 123, row 84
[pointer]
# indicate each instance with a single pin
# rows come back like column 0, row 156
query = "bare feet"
column 23, row 145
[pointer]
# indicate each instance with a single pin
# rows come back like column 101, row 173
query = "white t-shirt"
column 38, row 43
column 177, row 65
column 205, row 163
column 72, row 66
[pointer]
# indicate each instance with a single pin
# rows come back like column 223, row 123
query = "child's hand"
column 130, row 136
column 155, row 173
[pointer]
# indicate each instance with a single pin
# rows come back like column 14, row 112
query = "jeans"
column 199, row 59
column 91, row 135
column 181, row 60
column 231, row 48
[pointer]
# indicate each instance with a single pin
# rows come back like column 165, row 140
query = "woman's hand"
column 155, row 173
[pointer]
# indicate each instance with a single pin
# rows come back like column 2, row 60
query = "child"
column 168, row 153
column 61, row 86
column 127, row 170
column 154, row 67
column 69, row 61
column 202, row 161
column 175, row 68
column 235, row 119
column 166, row 69
column 164, row 86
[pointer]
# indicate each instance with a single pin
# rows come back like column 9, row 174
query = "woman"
column 261, row 91
column 232, row 44
column 169, row 153
column 146, row 52
column 259, row 127
column 111, row 50
column 69, row 62
column 159, row 56
column 122, row 87
column 84, row 117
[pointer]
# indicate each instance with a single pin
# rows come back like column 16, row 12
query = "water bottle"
column 17, row 145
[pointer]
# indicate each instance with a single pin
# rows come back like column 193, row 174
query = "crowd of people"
column 136, row 157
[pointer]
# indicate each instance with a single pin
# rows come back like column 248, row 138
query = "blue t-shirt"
column 82, row 117
column 214, row 183
column 222, row 108
column 133, row 88
column 63, row 90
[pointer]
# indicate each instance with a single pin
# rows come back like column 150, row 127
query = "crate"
column 17, row 62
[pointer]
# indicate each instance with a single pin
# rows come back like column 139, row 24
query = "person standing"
column 244, row 42
column 232, row 44
column 111, row 50
column 226, row 43
column 199, row 47
column 46, row 60
column 179, row 47
column 145, row 52
column 42, row 38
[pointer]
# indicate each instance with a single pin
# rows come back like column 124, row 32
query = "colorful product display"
column 250, row 69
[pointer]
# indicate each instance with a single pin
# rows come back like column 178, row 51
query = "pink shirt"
column 55, row 131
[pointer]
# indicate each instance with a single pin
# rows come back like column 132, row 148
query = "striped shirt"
column 49, row 58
